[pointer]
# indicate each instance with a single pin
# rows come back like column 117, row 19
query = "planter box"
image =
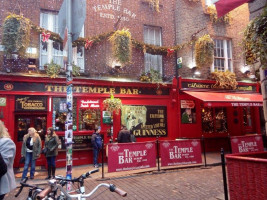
column 247, row 175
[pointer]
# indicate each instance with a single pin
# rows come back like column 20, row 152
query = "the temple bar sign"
column 31, row 103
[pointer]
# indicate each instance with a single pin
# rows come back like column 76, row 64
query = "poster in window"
column 145, row 121
column 188, row 111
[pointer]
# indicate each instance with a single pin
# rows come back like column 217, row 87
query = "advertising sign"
column 2, row 101
column 145, row 121
column 131, row 156
column 244, row 144
column 184, row 152
column 106, row 117
column 31, row 103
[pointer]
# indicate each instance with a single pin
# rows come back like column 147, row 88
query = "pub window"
column 214, row 120
column 53, row 50
column 89, row 118
column 222, row 55
column 152, row 35
column 60, row 114
column 247, row 116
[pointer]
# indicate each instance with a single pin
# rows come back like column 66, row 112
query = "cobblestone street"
column 189, row 183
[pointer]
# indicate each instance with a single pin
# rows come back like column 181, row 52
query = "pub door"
column 22, row 123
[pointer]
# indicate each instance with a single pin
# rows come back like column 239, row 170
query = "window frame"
column 149, row 59
column 227, row 58
column 51, row 52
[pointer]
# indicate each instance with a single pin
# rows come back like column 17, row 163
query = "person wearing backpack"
column 96, row 141
column 8, row 152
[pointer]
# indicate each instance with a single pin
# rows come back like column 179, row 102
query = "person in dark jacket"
column 96, row 148
column 51, row 144
column 124, row 135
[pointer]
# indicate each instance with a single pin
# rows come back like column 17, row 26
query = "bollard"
column 158, row 152
column 102, row 149
column 204, row 151
column 224, row 175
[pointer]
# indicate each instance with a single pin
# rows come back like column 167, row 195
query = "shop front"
column 218, row 114
column 148, row 110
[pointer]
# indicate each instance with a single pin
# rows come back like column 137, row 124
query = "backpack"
column 98, row 141
column 3, row 167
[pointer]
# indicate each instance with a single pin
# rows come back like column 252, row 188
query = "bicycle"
column 36, row 192
column 59, row 182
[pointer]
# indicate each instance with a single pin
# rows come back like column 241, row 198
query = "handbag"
column 3, row 166
column 22, row 160
column 44, row 150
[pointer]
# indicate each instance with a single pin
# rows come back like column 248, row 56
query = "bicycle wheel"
column 34, row 195
column 61, row 198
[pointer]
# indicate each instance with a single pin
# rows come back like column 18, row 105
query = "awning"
column 227, row 99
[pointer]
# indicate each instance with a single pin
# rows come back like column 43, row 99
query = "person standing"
column 8, row 152
column 96, row 141
column 51, row 144
column 124, row 135
column 31, row 149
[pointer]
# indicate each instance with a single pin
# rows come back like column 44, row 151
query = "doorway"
column 22, row 123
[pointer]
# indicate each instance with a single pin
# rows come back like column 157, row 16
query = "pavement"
column 183, row 182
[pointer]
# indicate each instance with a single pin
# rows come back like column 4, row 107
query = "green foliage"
column 75, row 70
column 53, row 69
column 122, row 45
column 255, row 40
column 211, row 10
column 16, row 34
column 204, row 51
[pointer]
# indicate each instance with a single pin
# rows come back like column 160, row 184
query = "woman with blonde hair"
column 8, row 151
column 51, row 145
column 31, row 150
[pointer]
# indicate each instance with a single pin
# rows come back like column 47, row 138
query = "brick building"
column 150, row 109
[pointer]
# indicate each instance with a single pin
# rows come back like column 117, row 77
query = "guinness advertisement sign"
column 31, row 103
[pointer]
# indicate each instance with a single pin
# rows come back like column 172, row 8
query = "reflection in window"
column 214, row 120
column 89, row 119
column 247, row 116
column 60, row 113
column 23, row 125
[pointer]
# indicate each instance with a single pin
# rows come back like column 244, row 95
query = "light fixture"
column 196, row 72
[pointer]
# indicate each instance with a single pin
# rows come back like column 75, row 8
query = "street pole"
column 69, row 99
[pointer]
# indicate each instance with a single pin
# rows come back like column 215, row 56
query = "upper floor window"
column 52, row 50
column 222, row 55
column 152, row 35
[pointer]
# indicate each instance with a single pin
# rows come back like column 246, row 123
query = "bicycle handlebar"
column 82, row 177
column 24, row 184
column 111, row 187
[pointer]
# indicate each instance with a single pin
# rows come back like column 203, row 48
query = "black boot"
column 53, row 171
column 48, row 173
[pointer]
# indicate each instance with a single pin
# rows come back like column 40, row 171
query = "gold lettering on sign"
column 94, row 90
column 198, row 85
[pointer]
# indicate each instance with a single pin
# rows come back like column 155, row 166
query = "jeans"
column 28, row 160
column 51, row 161
column 95, row 154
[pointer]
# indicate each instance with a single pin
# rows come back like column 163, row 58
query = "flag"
column 225, row 6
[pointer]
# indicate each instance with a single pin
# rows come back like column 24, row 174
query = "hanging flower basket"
column 122, row 45
column 154, row 4
column 16, row 34
column 53, row 69
column 112, row 104
column 204, row 51
column 224, row 80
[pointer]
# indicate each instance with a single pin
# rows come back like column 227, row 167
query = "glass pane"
column 220, row 120
column 40, row 126
column 207, row 120
column 23, row 124
column 60, row 114
column 89, row 119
